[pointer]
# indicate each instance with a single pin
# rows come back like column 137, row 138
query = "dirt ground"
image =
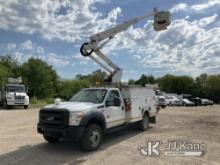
column 20, row 144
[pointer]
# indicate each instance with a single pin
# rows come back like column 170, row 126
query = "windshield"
column 90, row 95
column 16, row 88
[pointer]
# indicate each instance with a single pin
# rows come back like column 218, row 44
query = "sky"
column 54, row 30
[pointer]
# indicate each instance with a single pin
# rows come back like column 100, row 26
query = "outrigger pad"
column 162, row 19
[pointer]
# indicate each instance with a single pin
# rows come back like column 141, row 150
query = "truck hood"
column 74, row 106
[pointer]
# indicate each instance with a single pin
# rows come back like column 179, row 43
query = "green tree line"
column 43, row 82
column 204, row 86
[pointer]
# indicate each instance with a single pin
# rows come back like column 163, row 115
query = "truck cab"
column 14, row 95
column 92, row 112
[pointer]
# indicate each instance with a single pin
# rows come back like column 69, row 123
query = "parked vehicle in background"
column 14, row 94
column 161, row 101
column 158, row 92
column 206, row 102
column 197, row 101
column 174, row 101
column 94, row 111
column 211, row 102
column 167, row 100
column 186, row 102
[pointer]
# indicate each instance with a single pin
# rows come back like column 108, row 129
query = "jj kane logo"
column 173, row 148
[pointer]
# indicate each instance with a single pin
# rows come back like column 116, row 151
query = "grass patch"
column 37, row 103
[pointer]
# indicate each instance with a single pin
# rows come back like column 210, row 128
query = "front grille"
column 54, row 118
column 161, row 100
column 19, row 99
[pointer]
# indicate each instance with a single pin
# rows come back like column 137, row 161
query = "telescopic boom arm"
column 97, row 41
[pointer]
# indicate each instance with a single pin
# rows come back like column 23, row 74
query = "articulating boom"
column 97, row 41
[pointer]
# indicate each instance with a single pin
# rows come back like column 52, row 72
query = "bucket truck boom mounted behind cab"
column 93, row 112
column 97, row 41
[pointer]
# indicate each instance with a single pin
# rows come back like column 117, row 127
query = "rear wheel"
column 51, row 139
column 92, row 137
column 144, row 123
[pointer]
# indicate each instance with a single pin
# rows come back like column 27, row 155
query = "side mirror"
column 57, row 101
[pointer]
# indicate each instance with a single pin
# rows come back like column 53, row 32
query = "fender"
column 93, row 116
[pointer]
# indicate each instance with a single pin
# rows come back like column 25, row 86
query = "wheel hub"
column 94, row 138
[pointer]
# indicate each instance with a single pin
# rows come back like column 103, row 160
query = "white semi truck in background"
column 13, row 93
column 95, row 111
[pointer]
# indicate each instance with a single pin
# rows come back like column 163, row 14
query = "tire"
column 5, row 105
column 92, row 137
column 144, row 123
column 25, row 106
column 51, row 139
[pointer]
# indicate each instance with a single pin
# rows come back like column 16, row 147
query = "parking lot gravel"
column 20, row 144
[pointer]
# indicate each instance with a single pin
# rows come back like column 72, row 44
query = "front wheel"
column 51, row 139
column 5, row 105
column 92, row 137
column 25, row 106
column 144, row 123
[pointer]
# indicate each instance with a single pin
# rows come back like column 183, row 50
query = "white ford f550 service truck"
column 94, row 111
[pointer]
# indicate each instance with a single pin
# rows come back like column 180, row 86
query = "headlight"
column 75, row 117
column 9, row 97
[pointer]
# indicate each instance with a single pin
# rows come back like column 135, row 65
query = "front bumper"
column 70, row 132
column 12, row 102
column 162, row 104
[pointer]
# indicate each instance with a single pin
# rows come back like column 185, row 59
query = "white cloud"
column 186, row 47
column 64, row 20
column 203, row 6
column 40, row 50
column 178, row 7
column 23, row 51
column 27, row 45
column 11, row 46
column 207, row 20
column 56, row 60
column 195, row 8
